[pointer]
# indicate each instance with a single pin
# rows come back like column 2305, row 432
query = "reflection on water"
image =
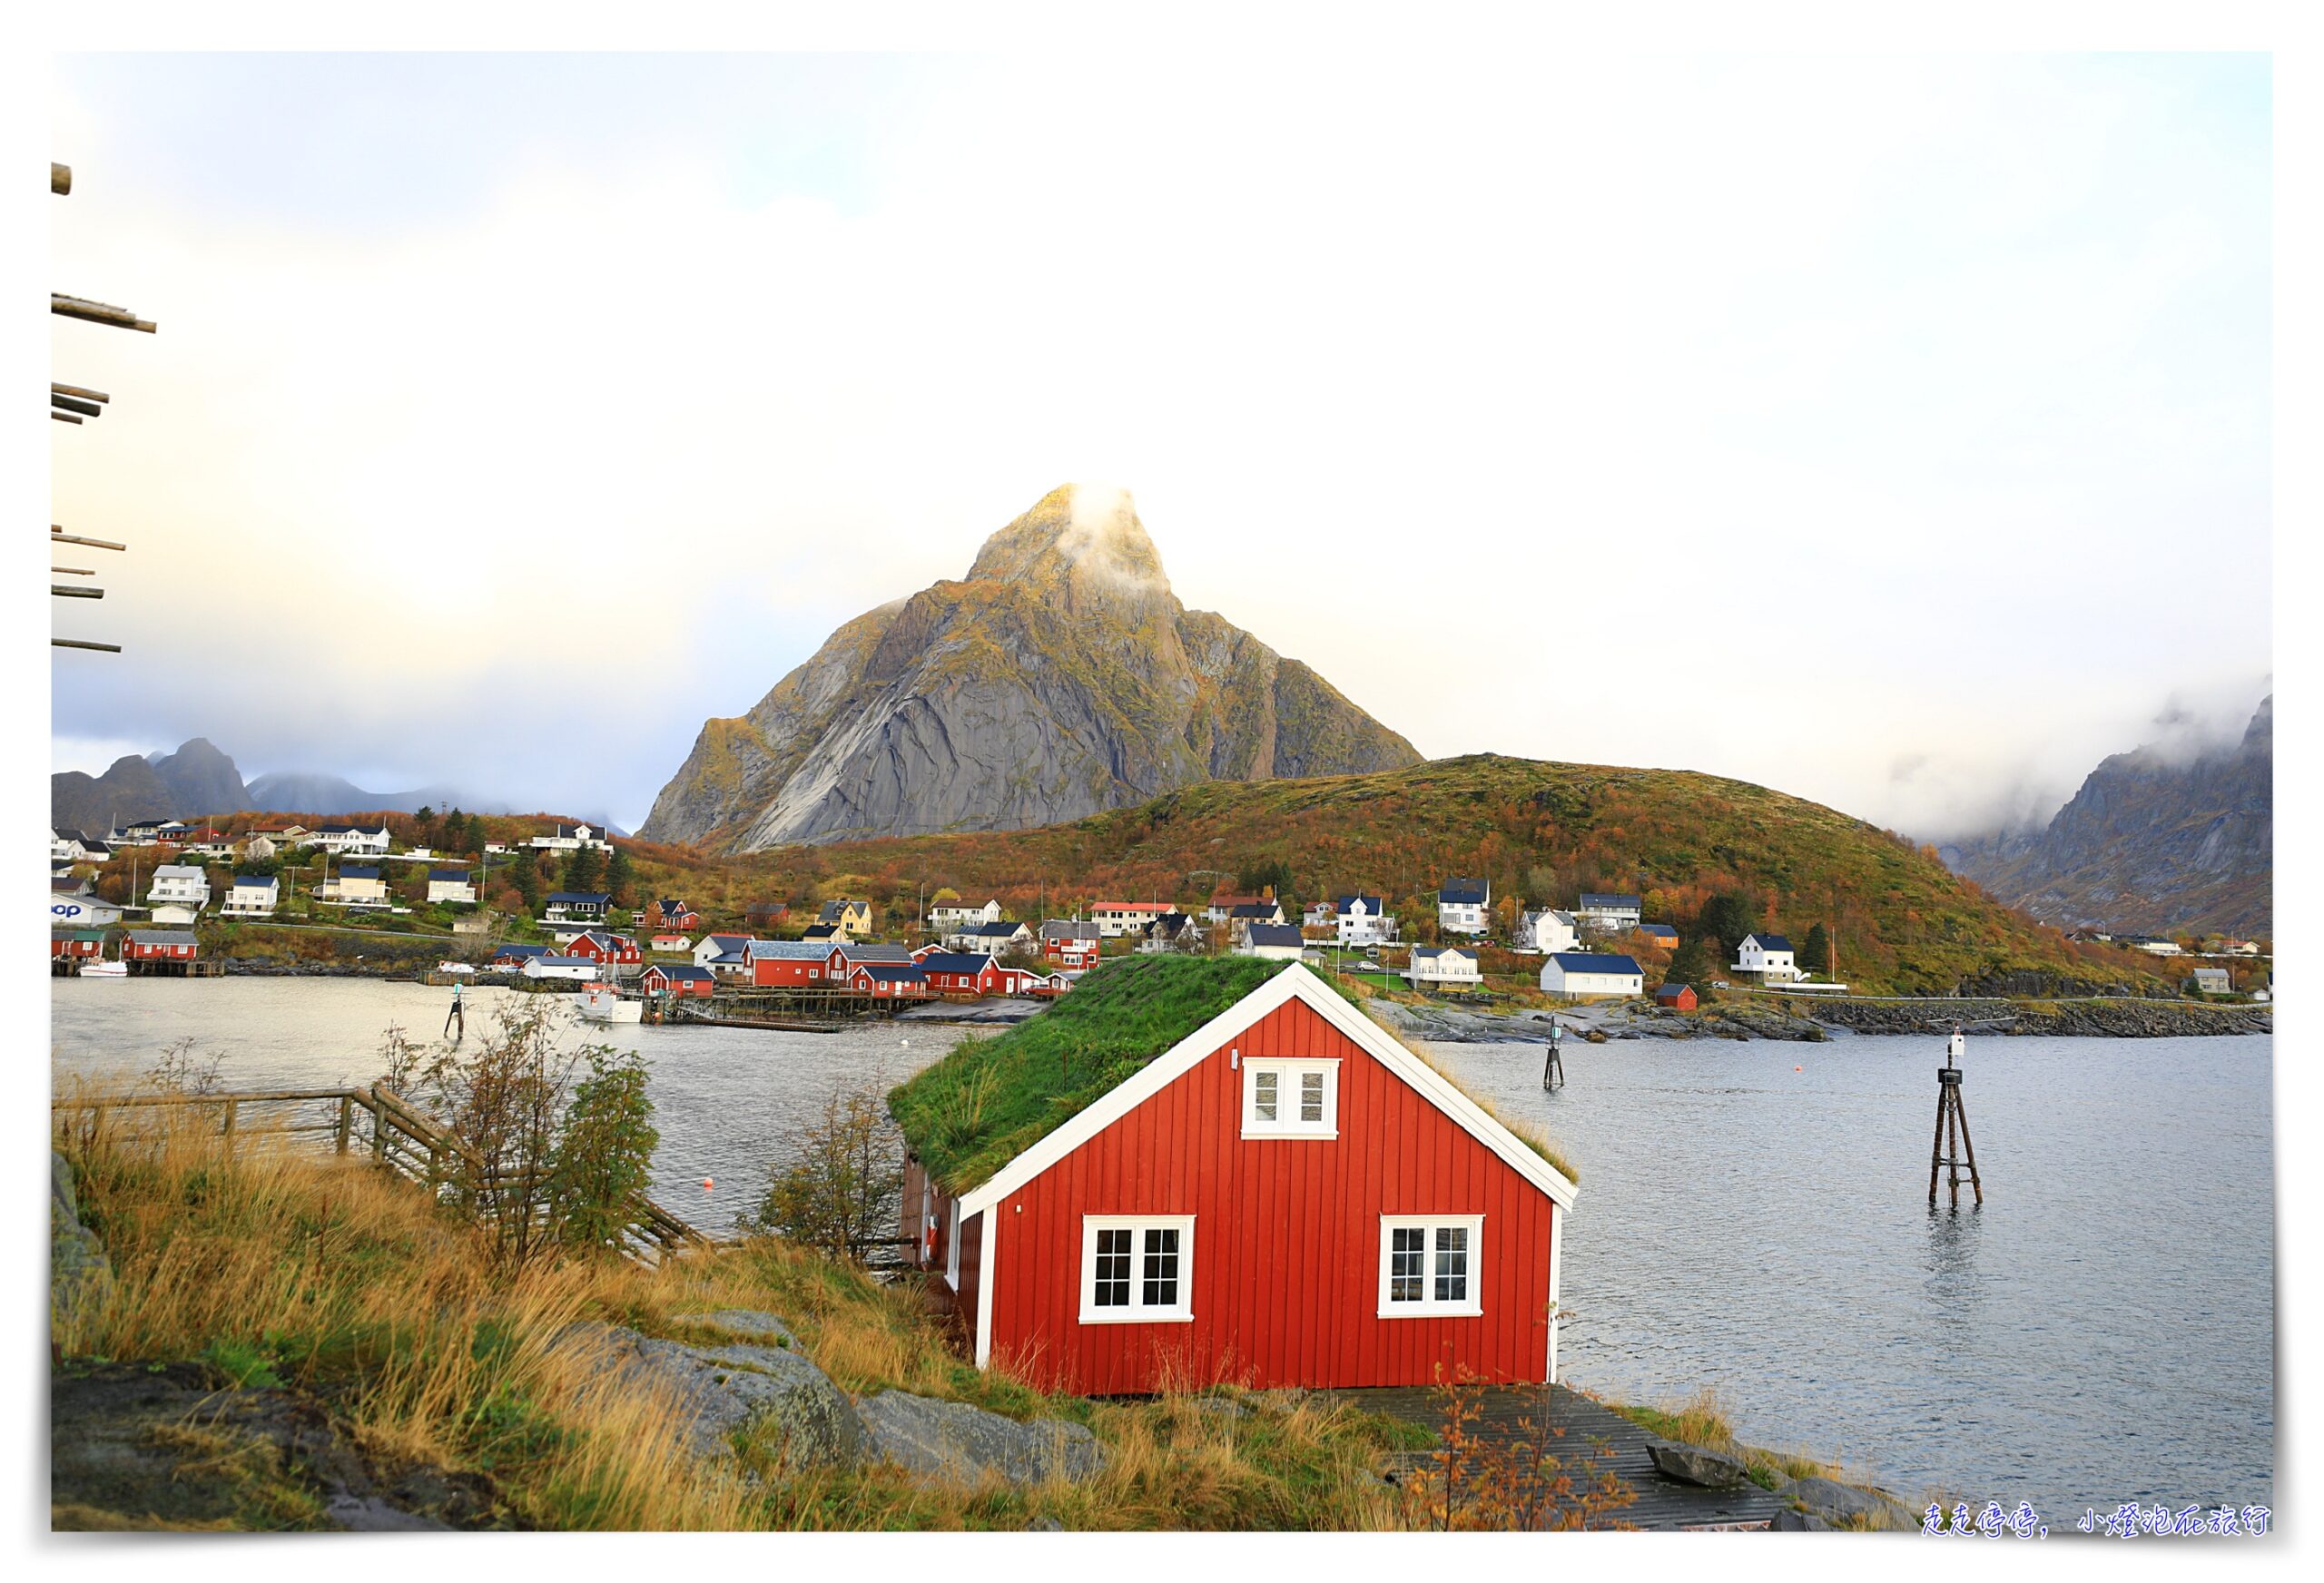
column 2101, row 1330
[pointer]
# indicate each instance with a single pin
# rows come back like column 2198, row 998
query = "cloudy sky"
column 1893, row 431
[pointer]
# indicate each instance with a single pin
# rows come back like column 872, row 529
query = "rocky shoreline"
column 1750, row 1017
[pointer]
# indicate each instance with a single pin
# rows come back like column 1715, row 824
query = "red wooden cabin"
column 675, row 978
column 610, row 950
column 670, row 913
column 82, row 945
column 889, row 980
column 963, row 973
column 1678, row 996
column 1287, row 1196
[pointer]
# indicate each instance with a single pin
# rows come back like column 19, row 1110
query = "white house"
column 356, row 885
column 1604, row 913
column 1443, row 967
column 998, row 937
column 570, row 838
column 80, row 912
column 180, row 884
column 1320, row 915
column 2155, row 947
column 1461, row 906
column 352, row 841
column 1363, row 920
column 1590, row 975
column 66, row 846
column 1173, row 932
column 953, row 917
column 455, row 885
column 252, row 896
column 580, row 969
column 1547, row 931
column 583, row 907
column 726, row 955
column 1770, row 956
column 2211, row 981
column 1245, row 916
column 1120, row 918
column 1275, row 942
column 172, row 912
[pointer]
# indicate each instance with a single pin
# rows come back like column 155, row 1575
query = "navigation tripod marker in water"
column 1951, row 1148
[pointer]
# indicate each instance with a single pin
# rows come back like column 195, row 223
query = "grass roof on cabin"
column 992, row 1099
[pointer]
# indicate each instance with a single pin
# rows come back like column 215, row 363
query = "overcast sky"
column 1891, row 431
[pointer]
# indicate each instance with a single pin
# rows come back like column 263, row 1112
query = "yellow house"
column 849, row 919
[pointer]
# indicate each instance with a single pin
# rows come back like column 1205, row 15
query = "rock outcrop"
column 954, row 1442
column 770, row 1395
column 1060, row 678
column 2152, row 841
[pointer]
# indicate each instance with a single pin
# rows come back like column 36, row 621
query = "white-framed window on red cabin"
column 1291, row 1099
column 1137, row 1269
column 1429, row 1265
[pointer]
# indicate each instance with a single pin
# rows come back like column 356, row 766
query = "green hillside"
column 1542, row 832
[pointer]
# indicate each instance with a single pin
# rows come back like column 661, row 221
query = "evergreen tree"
column 584, row 870
column 526, row 876
column 1815, row 951
column 1690, row 963
column 618, row 877
column 460, row 836
column 423, row 825
column 1726, row 918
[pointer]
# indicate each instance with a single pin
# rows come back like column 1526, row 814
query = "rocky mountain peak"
column 1080, row 546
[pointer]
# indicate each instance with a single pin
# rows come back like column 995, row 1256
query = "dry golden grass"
column 330, row 1276
column 1702, row 1420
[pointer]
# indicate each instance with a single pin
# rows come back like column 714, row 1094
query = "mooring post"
column 346, row 1124
column 231, row 1105
column 1951, row 1148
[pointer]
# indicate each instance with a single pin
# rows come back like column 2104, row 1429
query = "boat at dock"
column 103, row 969
column 603, row 1003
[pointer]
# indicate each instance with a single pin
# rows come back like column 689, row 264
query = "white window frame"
column 1288, row 1124
column 1428, row 1306
column 1137, row 1311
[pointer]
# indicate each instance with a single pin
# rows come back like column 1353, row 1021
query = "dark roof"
column 1258, row 909
column 820, row 931
column 730, row 942
column 1371, row 904
column 672, row 907
column 1669, row 991
column 1274, row 934
column 905, row 972
column 458, row 876
column 1068, row 929
column 1771, row 942
column 991, row 930
column 955, row 962
column 256, row 880
column 162, row 937
column 1462, row 893
column 521, row 950
column 1609, row 898
column 1596, row 962
column 1170, row 923
column 61, row 834
column 342, row 828
column 360, row 871
column 597, row 897
column 1659, row 930
column 874, row 951
column 686, row 971
column 833, row 911
column 1419, row 951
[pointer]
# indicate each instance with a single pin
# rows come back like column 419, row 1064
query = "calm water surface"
column 2101, row 1331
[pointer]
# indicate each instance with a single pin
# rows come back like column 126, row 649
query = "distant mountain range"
column 2153, row 842
column 199, row 779
column 1059, row 678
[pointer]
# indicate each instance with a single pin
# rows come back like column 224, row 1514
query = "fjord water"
column 2101, row 1331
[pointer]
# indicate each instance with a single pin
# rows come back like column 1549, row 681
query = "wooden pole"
column 97, row 312
column 63, row 416
column 60, row 178
column 74, row 643
column 1968, row 1149
column 58, row 535
column 82, row 391
column 75, row 404
column 67, row 591
column 346, row 1124
column 72, row 571
column 1936, row 1143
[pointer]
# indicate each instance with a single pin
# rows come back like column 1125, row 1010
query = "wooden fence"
column 398, row 1138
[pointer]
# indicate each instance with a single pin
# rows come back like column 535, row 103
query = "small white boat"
column 103, row 969
column 603, row 1003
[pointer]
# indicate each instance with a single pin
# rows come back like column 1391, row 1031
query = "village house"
column 1071, row 943
column 846, row 918
column 889, row 980
column 138, row 832
column 255, row 848
column 180, row 885
column 677, row 978
column 1002, row 939
column 1602, row 913
column 2152, row 945
column 670, row 916
column 580, row 969
column 1274, row 942
column 82, row 911
column 1660, row 935
column 567, row 837
column 1443, row 967
column 1223, row 904
column 1591, row 976
column 2238, row 947
column 586, row 907
column 75, row 946
column 1243, row 915
column 206, row 843
column 1322, row 914
column 344, row 839
column 280, row 835
column 355, row 885
column 2210, row 981
column 671, row 945
column 790, row 964
column 1677, row 997
column 822, row 931
column 474, row 923
column 252, row 896
column 1363, row 920
column 724, row 954
column 760, row 915
column 66, row 846
column 617, row 952
column 1547, row 931
column 165, row 949
column 955, row 915
column 1770, row 956
column 1114, row 919
column 961, row 973
column 1461, row 906
column 1283, row 1195
column 1174, row 931
column 457, row 886
column 510, row 959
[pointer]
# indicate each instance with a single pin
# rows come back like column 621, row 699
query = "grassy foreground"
column 311, row 1279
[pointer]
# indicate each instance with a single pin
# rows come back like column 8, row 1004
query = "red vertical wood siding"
column 1286, row 1266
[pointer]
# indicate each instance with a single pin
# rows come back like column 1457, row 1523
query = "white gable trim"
column 1295, row 982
